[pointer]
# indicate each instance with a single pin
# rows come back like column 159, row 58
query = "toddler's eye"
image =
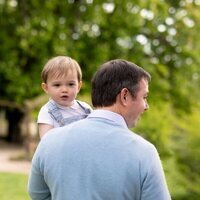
column 56, row 85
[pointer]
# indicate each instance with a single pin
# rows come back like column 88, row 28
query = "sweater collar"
column 109, row 115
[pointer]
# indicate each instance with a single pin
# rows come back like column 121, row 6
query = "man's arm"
column 37, row 187
column 154, row 185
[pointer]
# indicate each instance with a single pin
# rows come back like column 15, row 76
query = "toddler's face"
column 63, row 89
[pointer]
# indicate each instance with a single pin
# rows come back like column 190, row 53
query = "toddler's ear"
column 44, row 87
column 79, row 85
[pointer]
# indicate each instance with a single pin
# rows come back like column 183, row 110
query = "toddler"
column 61, row 80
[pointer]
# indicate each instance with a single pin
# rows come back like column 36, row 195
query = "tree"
column 161, row 36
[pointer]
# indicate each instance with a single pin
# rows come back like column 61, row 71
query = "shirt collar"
column 73, row 106
column 109, row 115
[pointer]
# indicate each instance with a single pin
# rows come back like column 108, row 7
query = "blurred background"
column 160, row 36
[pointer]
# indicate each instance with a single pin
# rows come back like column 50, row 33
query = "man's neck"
column 114, row 108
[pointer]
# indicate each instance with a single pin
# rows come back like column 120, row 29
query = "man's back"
column 96, row 158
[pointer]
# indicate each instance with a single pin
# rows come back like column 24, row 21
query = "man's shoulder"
column 138, row 142
column 141, row 138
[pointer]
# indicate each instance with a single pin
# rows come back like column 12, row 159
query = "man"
column 99, row 158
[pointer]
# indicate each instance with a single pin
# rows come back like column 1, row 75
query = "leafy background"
column 160, row 36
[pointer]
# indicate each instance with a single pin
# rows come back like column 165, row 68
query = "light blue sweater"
column 96, row 158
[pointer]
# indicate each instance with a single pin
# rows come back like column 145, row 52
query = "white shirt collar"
column 109, row 115
column 73, row 106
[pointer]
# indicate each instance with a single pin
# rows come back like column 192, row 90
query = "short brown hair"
column 112, row 77
column 60, row 65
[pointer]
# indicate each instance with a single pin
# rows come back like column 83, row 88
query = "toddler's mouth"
column 64, row 97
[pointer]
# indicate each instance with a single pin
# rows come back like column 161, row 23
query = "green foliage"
column 177, row 140
column 13, row 186
column 185, row 143
column 146, row 32
column 160, row 36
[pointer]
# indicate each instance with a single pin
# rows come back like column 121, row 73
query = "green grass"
column 13, row 186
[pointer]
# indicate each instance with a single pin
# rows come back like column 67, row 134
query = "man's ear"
column 44, row 87
column 124, row 96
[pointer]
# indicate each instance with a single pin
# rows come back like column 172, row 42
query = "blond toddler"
column 61, row 80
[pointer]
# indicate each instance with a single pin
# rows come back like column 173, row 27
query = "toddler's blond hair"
column 59, row 66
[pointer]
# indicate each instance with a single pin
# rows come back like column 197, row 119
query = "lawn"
column 13, row 186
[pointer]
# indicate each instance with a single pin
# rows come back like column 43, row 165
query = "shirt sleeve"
column 44, row 117
column 154, row 186
column 37, row 187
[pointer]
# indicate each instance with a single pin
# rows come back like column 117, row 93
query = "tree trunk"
column 14, row 117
